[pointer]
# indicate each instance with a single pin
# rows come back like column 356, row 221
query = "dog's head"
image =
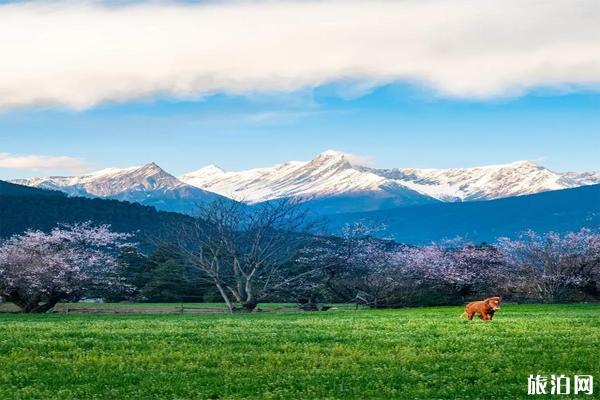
column 493, row 303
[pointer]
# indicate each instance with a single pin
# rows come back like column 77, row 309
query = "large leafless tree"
column 247, row 252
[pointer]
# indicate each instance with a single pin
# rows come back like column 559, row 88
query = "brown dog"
column 485, row 308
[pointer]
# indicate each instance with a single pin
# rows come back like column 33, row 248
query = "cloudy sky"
column 424, row 83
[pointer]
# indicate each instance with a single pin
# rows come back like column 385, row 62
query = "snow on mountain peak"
column 479, row 183
column 208, row 170
column 335, row 156
column 329, row 173
column 147, row 184
column 330, row 160
column 151, row 167
column 333, row 173
column 330, row 154
column 525, row 163
column 214, row 168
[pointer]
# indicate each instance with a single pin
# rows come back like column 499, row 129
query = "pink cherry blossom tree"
column 555, row 265
column 354, row 267
column 462, row 270
column 39, row 269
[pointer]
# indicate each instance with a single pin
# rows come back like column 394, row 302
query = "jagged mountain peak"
column 330, row 154
column 480, row 183
column 528, row 163
column 211, row 169
column 147, row 184
column 515, row 165
column 152, row 171
column 149, row 169
column 525, row 165
column 329, row 160
column 335, row 156
column 152, row 167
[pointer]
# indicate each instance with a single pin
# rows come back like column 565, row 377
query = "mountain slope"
column 148, row 185
column 561, row 210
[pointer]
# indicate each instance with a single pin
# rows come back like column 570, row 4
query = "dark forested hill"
column 10, row 189
column 560, row 211
column 23, row 208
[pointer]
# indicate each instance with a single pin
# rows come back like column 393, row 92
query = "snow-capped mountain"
column 147, row 184
column 329, row 181
column 486, row 183
column 327, row 174
column 332, row 174
column 583, row 178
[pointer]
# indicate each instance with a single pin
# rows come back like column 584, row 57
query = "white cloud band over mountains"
column 36, row 162
column 78, row 55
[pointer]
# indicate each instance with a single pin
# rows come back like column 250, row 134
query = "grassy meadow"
column 428, row 353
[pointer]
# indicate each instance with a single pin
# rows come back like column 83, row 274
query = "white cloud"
column 36, row 162
column 74, row 55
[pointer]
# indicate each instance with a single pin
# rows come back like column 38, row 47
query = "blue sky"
column 92, row 86
column 393, row 126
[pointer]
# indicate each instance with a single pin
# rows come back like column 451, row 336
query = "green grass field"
column 427, row 353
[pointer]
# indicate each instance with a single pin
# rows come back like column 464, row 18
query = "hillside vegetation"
column 23, row 208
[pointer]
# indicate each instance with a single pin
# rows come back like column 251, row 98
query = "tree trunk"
column 33, row 306
column 45, row 307
column 225, row 297
column 249, row 306
column 250, row 302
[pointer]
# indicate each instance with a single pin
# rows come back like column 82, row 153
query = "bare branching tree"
column 243, row 250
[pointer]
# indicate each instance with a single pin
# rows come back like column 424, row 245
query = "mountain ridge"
column 148, row 184
column 452, row 184
column 330, row 183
